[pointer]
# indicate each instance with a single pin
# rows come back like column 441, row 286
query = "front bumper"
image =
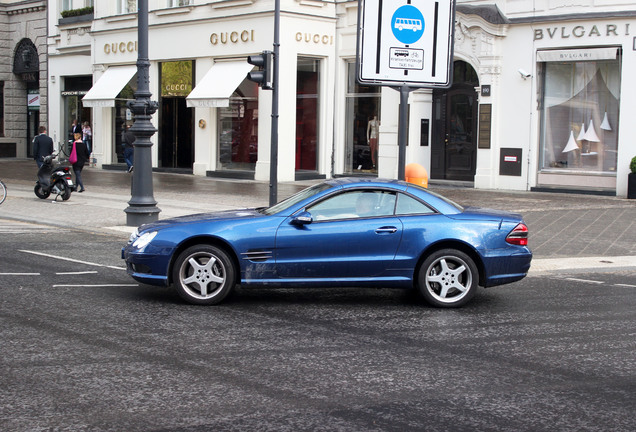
column 143, row 267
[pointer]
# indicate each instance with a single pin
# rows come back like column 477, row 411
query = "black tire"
column 203, row 275
column 448, row 278
column 41, row 193
column 65, row 190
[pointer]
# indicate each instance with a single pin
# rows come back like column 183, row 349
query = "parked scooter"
column 53, row 179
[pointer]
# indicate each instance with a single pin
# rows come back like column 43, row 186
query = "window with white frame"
column 76, row 4
column 126, row 6
column 177, row 3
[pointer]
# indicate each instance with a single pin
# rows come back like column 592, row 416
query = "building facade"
column 538, row 96
column 23, row 75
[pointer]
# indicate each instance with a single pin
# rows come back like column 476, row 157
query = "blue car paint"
column 301, row 255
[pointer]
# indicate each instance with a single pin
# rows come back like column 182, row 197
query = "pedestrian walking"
column 75, row 128
column 87, row 136
column 82, row 156
column 42, row 146
column 127, row 140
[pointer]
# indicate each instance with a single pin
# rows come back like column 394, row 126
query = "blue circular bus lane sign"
column 407, row 24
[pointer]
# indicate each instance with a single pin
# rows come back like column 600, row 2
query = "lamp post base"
column 136, row 216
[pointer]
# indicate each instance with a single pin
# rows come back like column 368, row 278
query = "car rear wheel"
column 204, row 275
column 448, row 278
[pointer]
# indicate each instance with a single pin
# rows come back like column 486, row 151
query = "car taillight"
column 518, row 236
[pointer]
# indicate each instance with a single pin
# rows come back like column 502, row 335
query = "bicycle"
column 3, row 192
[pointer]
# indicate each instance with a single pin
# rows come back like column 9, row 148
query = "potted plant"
column 631, row 180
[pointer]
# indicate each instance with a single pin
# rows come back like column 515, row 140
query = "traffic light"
column 263, row 76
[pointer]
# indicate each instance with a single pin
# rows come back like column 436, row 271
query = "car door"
column 353, row 235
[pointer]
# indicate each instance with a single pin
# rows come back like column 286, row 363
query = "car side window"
column 354, row 204
column 407, row 205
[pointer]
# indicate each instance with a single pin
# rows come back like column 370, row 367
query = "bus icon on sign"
column 408, row 24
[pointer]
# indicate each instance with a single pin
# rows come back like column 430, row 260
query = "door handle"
column 387, row 229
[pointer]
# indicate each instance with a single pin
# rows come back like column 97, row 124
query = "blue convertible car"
column 343, row 232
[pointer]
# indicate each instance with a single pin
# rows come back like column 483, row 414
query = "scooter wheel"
column 65, row 190
column 41, row 193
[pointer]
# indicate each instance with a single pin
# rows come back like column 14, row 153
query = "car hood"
column 202, row 217
column 486, row 213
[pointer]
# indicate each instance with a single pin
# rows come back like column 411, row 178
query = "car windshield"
column 296, row 198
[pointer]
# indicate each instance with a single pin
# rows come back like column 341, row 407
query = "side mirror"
column 303, row 218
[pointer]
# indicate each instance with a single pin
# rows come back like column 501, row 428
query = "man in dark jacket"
column 127, row 140
column 42, row 146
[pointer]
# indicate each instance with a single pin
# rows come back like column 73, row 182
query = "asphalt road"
column 86, row 348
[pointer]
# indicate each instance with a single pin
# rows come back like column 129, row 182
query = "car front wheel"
column 448, row 278
column 204, row 275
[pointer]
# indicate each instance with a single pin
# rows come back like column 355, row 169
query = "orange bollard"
column 416, row 174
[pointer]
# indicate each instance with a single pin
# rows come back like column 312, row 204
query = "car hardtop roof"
column 346, row 182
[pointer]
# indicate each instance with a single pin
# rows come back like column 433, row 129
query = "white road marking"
column 19, row 274
column 93, row 286
column 585, row 280
column 76, row 273
column 625, row 285
column 71, row 260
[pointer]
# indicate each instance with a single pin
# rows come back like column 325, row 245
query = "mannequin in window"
column 372, row 137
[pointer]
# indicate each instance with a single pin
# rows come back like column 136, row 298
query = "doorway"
column 455, row 110
column 175, row 133
column 33, row 118
column 176, row 120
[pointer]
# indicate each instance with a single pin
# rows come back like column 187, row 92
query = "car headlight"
column 133, row 236
column 143, row 240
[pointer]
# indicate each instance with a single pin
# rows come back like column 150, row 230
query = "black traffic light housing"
column 263, row 76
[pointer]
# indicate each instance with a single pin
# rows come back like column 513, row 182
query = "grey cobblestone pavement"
column 564, row 228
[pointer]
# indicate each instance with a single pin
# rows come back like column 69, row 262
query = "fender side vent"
column 257, row 255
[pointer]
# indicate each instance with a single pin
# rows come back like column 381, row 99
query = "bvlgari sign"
column 582, row 31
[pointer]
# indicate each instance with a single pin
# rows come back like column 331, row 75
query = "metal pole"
column 402, row 130
column 273, row 158
column 142, row 207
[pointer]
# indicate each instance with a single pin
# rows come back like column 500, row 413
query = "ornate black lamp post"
column 142, row 207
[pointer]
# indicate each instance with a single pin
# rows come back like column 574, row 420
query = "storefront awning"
column 577, row 55
column 218, row 84
column 108, row 86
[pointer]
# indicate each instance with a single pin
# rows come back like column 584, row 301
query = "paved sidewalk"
column 586, row 227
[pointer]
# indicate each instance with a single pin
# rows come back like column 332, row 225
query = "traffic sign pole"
column 402, row 130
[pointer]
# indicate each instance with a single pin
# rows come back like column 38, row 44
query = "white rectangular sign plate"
column 405, row 42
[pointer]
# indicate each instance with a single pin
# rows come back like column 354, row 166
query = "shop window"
column 362, row 125
column 307, row 110
column 123, row 117
column 579, row 115
column 238, row 129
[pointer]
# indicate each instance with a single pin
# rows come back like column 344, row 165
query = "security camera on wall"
column 524, row 74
